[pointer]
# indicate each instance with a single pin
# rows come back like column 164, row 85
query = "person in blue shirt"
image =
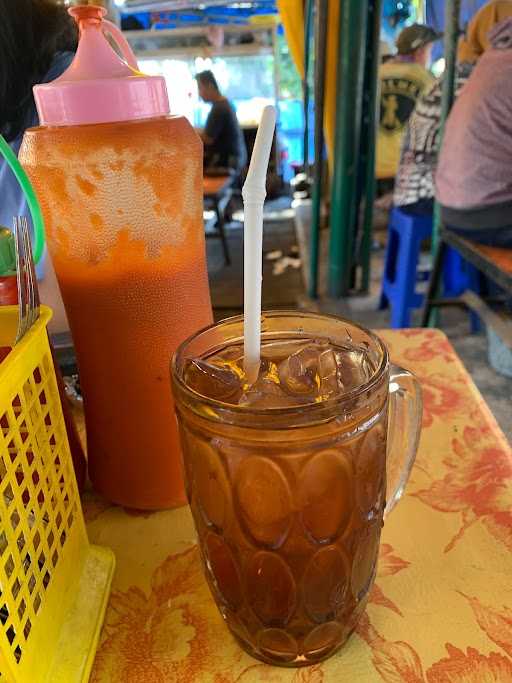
column 37, row 42
column 224, row 145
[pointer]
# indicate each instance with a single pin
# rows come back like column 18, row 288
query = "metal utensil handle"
column 28, row 294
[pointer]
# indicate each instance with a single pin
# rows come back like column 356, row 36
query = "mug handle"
column 404, row 428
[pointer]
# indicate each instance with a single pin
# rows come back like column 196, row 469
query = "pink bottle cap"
column 99, row 86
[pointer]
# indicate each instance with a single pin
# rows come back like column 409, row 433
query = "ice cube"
column 266, row 395
column 267, row 391
column 232, row 355
column 298, row 374
column 218, row 382
column 354, row 368
column 277, row 351
column 330, row 384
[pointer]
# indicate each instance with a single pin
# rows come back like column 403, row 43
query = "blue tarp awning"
column 436, row 16
column 232, row 13
column 436, row 11
column 395, row 14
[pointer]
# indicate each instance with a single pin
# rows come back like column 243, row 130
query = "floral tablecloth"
column 441, row 609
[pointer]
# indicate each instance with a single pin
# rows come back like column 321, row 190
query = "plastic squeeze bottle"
column 120, row 184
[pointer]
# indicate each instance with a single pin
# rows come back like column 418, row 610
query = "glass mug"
column 289, row 503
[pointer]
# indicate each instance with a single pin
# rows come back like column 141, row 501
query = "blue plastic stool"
column 459, row 276
column 405, row 235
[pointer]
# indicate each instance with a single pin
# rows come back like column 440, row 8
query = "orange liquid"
column 288, row 520
column 123, row 210
column 289, row 532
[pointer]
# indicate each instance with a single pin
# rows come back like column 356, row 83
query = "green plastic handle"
column 30, row 196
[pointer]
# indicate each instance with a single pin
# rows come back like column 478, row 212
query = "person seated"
column 37, row 43
column 474, row 178
column 414, row 186
column 224, row 145
column 476, row 41
column 403, row 79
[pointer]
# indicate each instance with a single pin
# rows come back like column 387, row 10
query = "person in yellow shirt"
column 403, row 80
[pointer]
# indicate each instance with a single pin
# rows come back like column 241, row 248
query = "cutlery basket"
column 54, row 585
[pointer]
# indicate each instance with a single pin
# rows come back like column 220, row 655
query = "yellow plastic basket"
column 54, row 585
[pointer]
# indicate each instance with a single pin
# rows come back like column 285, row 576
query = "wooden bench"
column 493, row 262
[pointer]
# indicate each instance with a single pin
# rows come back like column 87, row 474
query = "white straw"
column 254, row 193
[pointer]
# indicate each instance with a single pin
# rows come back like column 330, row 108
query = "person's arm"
column 207, row 140
column 213, row 127
column 429, row 82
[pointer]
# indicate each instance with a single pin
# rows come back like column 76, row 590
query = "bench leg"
column 222, row 234
column 434, row 284
column 475, row 285
column 383, row 302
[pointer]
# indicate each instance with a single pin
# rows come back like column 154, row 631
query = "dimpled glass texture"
column 288, row 508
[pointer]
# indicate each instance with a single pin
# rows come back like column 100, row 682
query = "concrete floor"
column 471, row 348
column 283, row 287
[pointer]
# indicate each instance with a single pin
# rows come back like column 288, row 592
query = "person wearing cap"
column 474, row 174
column 403, row 79
column 414, row 186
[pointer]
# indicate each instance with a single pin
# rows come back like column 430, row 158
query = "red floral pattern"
column 497, row 623
column 416, row 332
column 396, row 661
column 262, row 672
column 388, row 565
column 436, row 347
column 164, row 635
column 442, row 400
column 477, row 483
column 399, row 661
column 470, row 667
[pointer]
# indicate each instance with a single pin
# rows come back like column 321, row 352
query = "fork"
column 28, row 293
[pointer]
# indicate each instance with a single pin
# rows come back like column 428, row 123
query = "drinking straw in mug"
column 254, row 193
column 30, row 196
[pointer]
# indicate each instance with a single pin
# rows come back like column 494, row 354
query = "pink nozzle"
column 99, row 86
